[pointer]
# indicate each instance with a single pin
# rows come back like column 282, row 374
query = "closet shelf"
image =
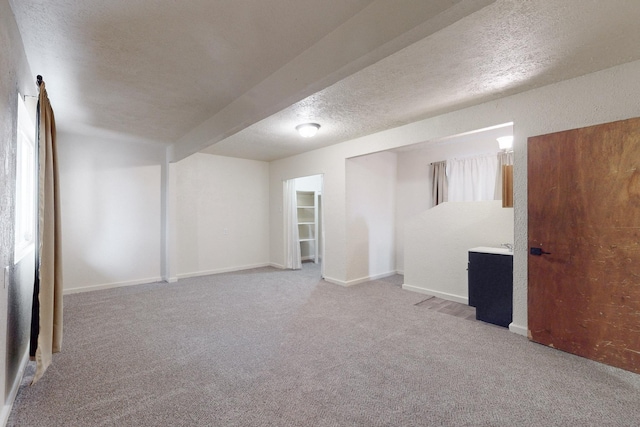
column 306, row 202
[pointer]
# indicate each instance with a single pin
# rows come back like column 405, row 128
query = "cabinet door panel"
column 491, row 287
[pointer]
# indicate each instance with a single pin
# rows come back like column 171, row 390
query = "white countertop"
column 491, row 250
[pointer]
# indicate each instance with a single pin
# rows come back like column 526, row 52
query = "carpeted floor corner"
column 267, row 347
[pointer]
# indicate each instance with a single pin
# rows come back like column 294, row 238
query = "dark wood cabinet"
column 491, row 286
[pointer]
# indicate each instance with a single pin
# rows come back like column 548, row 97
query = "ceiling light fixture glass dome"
column 307, row 130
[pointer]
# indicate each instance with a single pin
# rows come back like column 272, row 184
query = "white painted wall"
column 600, row 97
column 222, row 214
column 437, row 243
column 309, row 183
column 16, row 284
column 415, row 179
column 215, row 217
column 110, row 205
column 371, row 205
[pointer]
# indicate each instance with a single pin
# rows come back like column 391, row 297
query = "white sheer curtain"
column 291, row 241
column 472, row 179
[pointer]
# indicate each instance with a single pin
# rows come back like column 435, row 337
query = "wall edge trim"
column 13, row 393
column 111, row 285
column 443, row 295
column 224, row 270
column 518, row 329
column 365, row 279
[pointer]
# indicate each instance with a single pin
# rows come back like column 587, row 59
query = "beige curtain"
column 439, row 191
column 49, row 269
column 504, row 159
column 507, row 186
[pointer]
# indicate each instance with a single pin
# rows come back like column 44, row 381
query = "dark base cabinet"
column 491, row 287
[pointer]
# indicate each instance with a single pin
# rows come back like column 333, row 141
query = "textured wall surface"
column 415, row 175
column 110, row 194
column 437, row 242
column 222, row 216
column 371, row 207
column 15, row 300
column 600, row 97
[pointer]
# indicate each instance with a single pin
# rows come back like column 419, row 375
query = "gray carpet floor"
column 266, row 347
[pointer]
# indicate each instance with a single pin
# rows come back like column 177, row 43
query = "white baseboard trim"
column 172, row 279
column 11, row 397
column 360, row 280
column 274, row 265
column 111, row 285
column 222, row 270
column 334, row 281
column 517, row 329
column 443, row 295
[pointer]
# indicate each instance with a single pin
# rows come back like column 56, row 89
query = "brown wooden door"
column 584, row 210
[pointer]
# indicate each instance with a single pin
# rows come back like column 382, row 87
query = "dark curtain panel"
column 439, row 182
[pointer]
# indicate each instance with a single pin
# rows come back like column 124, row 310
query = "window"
column 25, row 183
column 473, row 178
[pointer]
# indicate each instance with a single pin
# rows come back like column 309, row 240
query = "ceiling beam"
column 378, row 31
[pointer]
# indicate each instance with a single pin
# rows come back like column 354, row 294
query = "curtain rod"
column 469, row 157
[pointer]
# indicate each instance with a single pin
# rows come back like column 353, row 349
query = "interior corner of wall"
column 518, row 329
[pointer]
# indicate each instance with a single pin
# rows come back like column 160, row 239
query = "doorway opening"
column 304, row 224
column 392, row 228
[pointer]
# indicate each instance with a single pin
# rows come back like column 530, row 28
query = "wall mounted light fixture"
column 307, row 130
column 505, row 142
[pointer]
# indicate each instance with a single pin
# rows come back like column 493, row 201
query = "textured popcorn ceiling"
column 241, row 74
column 505, row 48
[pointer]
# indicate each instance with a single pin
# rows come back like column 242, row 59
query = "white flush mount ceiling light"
column 307, row 130
column 505, row 142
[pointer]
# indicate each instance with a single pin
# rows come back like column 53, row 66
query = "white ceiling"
column 240, row 74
